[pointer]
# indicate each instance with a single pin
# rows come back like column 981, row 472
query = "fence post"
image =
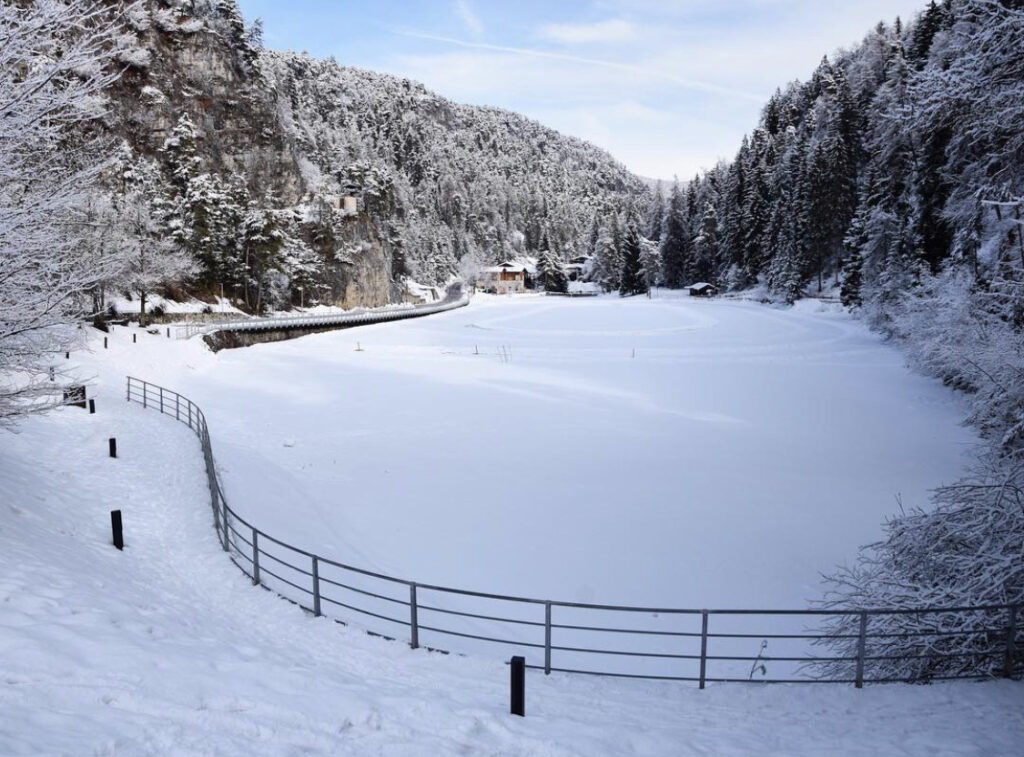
column 1011, row 644
column 547, row 638
column 255, row 557
column 414, row 626
column 128, row 391
column 145, row 391
column 316, row 586
column 223, row 507
column 862, row 640
column 161, row 399
column 116, row 529
column 517, row 686
column 703, row 647
column 216, row 508
column 177, row 406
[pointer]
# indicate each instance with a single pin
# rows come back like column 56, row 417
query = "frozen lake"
column 666, row 452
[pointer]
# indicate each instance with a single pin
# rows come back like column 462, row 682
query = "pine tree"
column 607, row 264
column 928, row 24
column 657, row 215
column 674, row 245
column 849, row 290
column 181, row 153
column 632, row 278
column 734, row 203
column 595, row 233
column 550, row 273
column 787, row 271
column 650, row 262
column 262, row 242
column 705, row 246
column 756, row 210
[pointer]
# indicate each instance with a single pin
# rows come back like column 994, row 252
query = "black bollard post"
column 168, row 332
column 518, row 688
column 115, row 526
column 134, row 340
column 92, row 407
column 67, row 355
column 113, row 447
column 104, row 342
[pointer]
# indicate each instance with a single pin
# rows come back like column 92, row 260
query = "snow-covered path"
column 165, row 649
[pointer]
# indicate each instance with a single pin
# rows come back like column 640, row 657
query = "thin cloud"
column 639, row 70
column 612, row 30
column 469, row 17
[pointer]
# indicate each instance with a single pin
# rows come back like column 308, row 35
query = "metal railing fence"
column 675, row 644
column 357, row 317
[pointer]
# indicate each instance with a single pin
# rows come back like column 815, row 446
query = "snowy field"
column 662, row 452
column 166, row 649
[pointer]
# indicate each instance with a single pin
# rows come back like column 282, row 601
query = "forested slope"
column 896, row 174
column 240, row 156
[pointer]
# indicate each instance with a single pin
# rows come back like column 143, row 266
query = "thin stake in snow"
column 113, row 447
column 359, row 347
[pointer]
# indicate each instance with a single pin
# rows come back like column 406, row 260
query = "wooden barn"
column 702, row 289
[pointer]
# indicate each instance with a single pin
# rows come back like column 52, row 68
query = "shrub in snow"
column 967, row 551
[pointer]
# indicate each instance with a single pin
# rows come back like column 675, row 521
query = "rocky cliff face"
column 440, row 188
column 197, row 61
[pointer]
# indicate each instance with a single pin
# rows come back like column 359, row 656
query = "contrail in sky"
column 678, row 80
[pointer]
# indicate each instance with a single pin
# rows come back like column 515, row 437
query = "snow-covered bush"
column 966, row 552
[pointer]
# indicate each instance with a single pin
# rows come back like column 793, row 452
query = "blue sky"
column 667, row 86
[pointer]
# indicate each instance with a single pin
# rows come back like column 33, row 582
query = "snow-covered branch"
column 56, row 60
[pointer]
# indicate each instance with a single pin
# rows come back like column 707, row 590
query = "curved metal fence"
column 698, row 645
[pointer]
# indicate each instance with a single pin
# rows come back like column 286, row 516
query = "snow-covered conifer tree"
column 674, row 241
column 632, row 280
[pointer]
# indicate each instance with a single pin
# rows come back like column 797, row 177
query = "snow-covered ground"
column 660, row 452
column 166, row 649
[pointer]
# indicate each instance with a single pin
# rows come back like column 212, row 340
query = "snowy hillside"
column 166, row 648
column 243, row 155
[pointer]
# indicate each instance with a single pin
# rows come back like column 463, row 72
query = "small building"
column 702, row 289
column 347, row 205
column 504, row 278
column 574, row 268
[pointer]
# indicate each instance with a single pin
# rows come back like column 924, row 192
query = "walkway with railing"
column 358, row 317
column 698, row 645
